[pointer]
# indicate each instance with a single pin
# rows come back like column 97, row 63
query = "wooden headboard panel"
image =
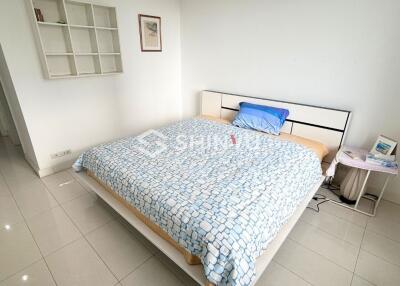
column 322, row 124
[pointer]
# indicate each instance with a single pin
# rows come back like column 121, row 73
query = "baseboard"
column 56, row 168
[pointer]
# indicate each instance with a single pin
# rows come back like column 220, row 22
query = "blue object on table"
column 261, row 117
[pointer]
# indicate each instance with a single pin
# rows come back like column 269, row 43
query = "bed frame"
column 194, row 271
column 326, row 125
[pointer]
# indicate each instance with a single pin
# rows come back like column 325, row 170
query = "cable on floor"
column 318, row 198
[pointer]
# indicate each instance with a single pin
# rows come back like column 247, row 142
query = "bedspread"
column 223, row 193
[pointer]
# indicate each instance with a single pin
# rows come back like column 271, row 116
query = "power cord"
column 318, row 197
column 321, row 199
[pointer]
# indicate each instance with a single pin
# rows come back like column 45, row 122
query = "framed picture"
column 150, row 33
column 384, row 146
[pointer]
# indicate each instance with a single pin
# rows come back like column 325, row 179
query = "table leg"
column 381, row 194
column 362, row 190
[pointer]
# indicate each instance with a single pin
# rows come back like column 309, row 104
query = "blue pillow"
column 261, row 117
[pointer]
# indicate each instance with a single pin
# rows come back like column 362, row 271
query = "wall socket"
column 60, row 154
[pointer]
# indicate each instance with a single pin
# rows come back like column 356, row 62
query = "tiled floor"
column 55, row 232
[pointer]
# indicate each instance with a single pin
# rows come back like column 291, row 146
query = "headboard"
column 326, row 125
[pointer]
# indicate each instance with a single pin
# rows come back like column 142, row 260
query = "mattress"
column 220, row 192
column 320, row 149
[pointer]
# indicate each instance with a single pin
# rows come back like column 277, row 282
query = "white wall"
column 15, row 109
column 78, row 113
column 341, row 54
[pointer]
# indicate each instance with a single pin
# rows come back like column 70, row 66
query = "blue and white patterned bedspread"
column 221, row 192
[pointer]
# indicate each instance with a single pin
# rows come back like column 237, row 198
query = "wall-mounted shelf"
column 77, row 39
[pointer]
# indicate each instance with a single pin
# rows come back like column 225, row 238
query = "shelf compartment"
column 108, row 41
column 52, row 10
column 87, row 65
column 55, row 39
column 104, row 16
column 79, row 13
column 84, row 40
column 61, row 66
column 111, row 64
column 77, row 39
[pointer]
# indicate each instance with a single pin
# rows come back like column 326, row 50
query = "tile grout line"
column 342, row 219
column 330, row 202
column 294, row 273
column 25, row 267
column 114, row 219
column 330, row 234
column 384, row 235
column 156, row 256
column 336, row 216
column 137, row 267
column 70, row 200
column 153, row 255
column 91, row 246
column 381, row 258
column 298, row 243
column 30, row 231
column 358, row 255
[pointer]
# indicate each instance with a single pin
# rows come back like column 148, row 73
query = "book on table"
column 383, row 161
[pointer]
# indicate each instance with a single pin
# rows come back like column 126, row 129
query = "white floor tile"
column 78, row 264
column 34, row 201
column 88, row 212
column 9, row 212
column 24, row 184
column 382, row 247
column 336, row 226
column 34, row 275
column 79, row 179
column 149, row 245
column 17, row 250
column 16, row 172
column 311, row 266
column 338, row 251
column 384, row 227
column 376, row 270
column 67, row 191
column 4, row 191
column 52, row 230
column 388, row 211
column 118, row 248
column 152, row 273
column 56, row 179
column 358, row 281
column 345, row 213
column 276, row 275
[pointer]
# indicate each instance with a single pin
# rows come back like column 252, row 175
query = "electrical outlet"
column 60, row 154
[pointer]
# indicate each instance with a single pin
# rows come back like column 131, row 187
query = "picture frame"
column 384, row 145
column 150, row 33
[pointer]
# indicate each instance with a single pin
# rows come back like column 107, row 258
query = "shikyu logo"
column 150, row 143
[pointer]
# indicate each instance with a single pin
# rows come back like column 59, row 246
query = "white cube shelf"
column 77, row 38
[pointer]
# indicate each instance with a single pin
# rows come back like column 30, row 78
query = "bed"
column 226, row 205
